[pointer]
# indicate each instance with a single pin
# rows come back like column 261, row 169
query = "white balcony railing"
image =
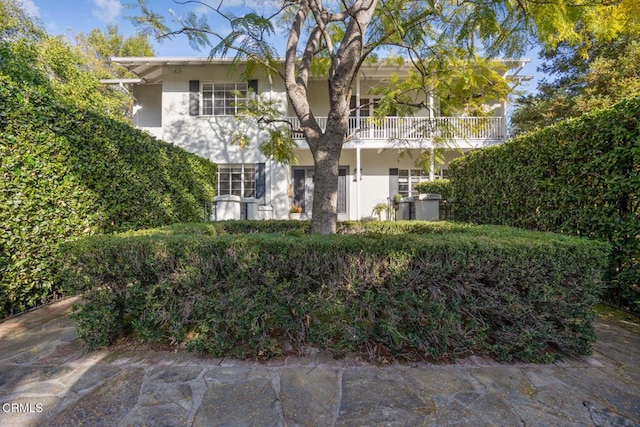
column 420, row 128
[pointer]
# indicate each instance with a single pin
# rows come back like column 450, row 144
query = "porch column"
column 504, row 121
column 432, row 163
column 136, row 117
column 432, row 159
column 358, row 102
column 357, row 141
column 504, row 112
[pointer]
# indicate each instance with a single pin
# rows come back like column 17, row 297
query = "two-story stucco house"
column 191, row 102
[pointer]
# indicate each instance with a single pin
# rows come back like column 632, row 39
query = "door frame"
column 300, row 198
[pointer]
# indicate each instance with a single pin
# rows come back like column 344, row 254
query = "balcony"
column 466, row 131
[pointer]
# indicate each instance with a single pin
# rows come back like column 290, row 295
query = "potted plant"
column 381, row 208
column 295, row 211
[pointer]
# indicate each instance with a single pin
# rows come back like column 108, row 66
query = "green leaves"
column 67, row 172
column 275, row 134
column 420, row 290
column 586, row 80
column 580, row 177
column 440, row 186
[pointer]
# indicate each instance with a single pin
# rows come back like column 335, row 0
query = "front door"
column 303, row 191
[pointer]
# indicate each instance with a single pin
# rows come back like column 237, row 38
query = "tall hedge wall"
column 579, row 177
column 67, row 172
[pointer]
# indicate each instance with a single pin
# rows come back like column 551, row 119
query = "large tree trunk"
column 326, row 159
column 326, row 145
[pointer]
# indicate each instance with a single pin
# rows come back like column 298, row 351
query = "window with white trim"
column 237, row 180
column 223, row 99
column 407, row 180
column 368, row 106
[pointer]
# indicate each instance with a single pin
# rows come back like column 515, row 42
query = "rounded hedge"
column 416, row 290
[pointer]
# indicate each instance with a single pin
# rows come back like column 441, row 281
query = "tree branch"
column 322, row 16
column 307, row 57
column 296, row 87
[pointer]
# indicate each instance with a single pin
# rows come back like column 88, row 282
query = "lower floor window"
column 237, row 180
column 408, row 178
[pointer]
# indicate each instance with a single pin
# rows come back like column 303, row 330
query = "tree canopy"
column 579, row 83
column 442, row 40
column 31, row 57
column 15, row 23
column 100, row 45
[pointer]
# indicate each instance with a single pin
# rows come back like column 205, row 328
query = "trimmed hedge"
column 580, row 177
column 439, row 186
column 66, row 172
column 433, row 291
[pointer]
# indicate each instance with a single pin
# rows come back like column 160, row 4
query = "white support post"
column 504, row 121
column 358, row 177
column 358, row 103
column 504, row 114
column 432, row 163
column 357, row 140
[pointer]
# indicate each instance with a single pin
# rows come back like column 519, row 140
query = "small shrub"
column 417, row 290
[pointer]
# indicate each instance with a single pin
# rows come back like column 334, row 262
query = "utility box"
column 227, row 207
column 250, row 207
column 265, row 212
column 405, row 209
column 427, row 207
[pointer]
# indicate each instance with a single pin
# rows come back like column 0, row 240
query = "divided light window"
column 237, row 180
column 368, row 106
column 408, row 178
column 223, row 99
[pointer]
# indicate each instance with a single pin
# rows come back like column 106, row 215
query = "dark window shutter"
column 298, row 187
column 342, row 190
column 194, row 97
column 253, row 86
column 261, row 185
column 394, row 187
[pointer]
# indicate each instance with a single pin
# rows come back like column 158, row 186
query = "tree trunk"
column 345, row 61
column 326, row 159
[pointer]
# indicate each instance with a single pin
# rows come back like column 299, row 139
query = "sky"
column 70, row 17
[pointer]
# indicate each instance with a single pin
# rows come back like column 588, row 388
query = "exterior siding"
column 165, row 111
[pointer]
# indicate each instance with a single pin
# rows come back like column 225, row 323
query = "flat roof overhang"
column 150, row 69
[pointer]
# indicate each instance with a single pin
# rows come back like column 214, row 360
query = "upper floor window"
column 368, row 107
column 223, row 99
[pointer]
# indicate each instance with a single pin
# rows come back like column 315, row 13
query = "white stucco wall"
column 210, row 136
column 374, row 186
column 167, row 105
column 148, row 106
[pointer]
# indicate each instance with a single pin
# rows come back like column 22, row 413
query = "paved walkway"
column 47, row 379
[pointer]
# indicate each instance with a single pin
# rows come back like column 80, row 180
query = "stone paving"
column 48, row 379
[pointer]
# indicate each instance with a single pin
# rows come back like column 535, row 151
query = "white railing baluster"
column 413, row 128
